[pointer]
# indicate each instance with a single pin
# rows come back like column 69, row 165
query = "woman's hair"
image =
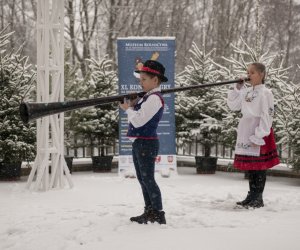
column 261, row 68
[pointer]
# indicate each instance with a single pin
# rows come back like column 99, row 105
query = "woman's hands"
column 254, row 145
column 241, row 83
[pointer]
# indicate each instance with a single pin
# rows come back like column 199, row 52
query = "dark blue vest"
column 148, row 131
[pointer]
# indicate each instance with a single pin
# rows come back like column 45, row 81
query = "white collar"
column 257, row 87
column 158, row 89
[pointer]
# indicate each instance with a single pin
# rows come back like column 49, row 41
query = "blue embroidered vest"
column 148, row 130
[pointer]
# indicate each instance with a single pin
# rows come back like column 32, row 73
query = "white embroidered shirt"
column 257, row 107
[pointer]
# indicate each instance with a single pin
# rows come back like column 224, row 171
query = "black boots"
column 150, row 215
column 253, row 200
column 257, row 180
column 143, row 218
column 247, row 200
column 257, row 201
column 158, row 216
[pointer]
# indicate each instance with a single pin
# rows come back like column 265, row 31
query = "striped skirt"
column 268, row 157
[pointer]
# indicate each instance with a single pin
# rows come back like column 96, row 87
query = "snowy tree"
column 16, row 79
column 236, row 67
column 73, row 91
column 197, row 112
column 100, row 122
column 288, row 122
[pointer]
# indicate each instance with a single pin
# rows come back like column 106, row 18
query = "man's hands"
column 124, row 105
column 134, row 101
column 128, row 103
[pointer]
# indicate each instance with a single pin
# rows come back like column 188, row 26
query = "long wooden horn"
column 30, row 111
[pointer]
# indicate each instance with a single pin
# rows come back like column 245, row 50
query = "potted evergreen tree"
column 197, row 112
column 73, row 91
column 98, row 125
column 17, row 140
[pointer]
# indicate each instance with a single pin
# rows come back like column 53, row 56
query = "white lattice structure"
column 50, row 88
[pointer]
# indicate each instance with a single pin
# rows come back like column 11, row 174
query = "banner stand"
column 132, row 53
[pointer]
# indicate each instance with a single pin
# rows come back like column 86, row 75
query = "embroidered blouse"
column 257, row 107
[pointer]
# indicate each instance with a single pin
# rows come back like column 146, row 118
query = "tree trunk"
column 12, row 6
column 289, row 33
column 111, row 24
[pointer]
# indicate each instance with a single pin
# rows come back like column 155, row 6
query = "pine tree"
column 197, row 111
column 17, row 140
column 101, row 122
column 288, row 122
column 73, row 91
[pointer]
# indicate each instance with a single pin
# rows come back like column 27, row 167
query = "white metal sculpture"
column 50, row 88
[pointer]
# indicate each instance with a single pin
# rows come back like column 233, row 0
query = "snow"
column 199, row 210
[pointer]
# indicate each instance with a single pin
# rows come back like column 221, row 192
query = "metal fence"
column 84, row 148
column 192, row 148
column 195, row 148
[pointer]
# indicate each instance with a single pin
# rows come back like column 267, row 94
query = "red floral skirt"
column 268, row 156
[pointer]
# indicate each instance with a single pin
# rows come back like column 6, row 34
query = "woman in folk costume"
column 144, row 116
column 255, row 148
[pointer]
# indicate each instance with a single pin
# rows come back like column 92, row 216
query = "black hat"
column 154, row 68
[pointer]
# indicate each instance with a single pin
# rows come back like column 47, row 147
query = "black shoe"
column 143, row 218
column 247, row 200
column 257, row 202
column 158, row 216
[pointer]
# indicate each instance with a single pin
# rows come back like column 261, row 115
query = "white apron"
column 246, row 128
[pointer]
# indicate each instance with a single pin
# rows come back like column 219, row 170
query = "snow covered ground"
column 199, row 211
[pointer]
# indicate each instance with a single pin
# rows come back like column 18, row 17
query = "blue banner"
column 132, row 53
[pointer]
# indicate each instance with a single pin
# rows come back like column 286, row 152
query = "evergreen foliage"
column 73, row 91
column 288, row 122
column 197, row 111
column 17, row 140
column 100, row 122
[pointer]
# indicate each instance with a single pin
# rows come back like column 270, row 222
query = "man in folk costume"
column 143, row 117
column 255, row 148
